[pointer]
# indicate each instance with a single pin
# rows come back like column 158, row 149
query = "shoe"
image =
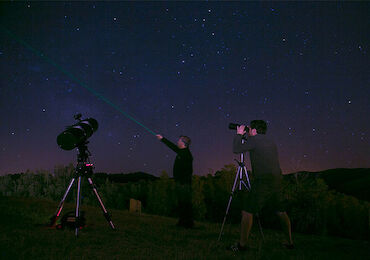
column 237, row 247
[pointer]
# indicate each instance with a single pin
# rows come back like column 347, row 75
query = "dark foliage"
column 124, row 177
column 311, row 205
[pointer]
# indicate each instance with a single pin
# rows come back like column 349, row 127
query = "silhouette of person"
column 266, row 183
column 182, row 174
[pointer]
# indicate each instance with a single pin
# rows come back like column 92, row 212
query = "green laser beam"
column 82, row 84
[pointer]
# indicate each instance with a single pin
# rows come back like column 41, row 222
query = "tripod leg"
column 246, row 175
column 78, row 205
column 54, row 218
column 105, row 212
column 228, row 205
column 241, row 181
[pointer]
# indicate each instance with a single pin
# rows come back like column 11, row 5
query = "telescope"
column 77, row 134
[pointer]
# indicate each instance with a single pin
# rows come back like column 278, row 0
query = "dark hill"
column 354, row 182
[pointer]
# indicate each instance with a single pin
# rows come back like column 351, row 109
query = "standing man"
column 266, row 184
column 182, row 173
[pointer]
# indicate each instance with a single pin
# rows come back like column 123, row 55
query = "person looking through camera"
column 266, row 183
column 182, row 174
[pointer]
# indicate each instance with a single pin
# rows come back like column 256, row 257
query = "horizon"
column 169, row 173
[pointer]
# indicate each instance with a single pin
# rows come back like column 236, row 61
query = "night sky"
column 184, row 69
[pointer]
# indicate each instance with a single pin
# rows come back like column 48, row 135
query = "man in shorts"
column 266, row 184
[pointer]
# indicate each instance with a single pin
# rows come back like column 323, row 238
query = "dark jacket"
column 183, row 167
column 263, row 154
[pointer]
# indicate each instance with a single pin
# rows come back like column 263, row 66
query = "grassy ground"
column 24, row 236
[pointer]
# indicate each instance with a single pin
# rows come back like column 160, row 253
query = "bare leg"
column 246, row 225
column 286, row 226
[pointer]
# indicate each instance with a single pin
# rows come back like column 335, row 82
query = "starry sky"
column 184, row 68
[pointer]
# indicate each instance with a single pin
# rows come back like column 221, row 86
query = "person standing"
column 266, row 184
column 182, row 174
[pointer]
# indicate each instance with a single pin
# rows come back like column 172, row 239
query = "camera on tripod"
column 77, row 134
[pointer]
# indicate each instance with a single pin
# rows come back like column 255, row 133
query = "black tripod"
column 83, row 169
column 240, row 173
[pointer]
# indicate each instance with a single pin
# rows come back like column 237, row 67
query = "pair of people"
column 265, row 187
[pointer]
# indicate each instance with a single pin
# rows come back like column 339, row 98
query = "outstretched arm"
column 169, row 144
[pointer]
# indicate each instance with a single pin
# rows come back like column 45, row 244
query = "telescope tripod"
column 83, row 169
column 239, row 177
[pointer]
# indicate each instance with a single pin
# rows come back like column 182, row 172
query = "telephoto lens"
column 233, row 126
column 77, row 134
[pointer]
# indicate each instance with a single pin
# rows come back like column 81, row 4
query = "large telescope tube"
column 77, row 134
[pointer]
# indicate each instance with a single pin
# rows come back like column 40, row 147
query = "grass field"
column 23, row 235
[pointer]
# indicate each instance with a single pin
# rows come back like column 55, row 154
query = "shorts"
column 264, row 192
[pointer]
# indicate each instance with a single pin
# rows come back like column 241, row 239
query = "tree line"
column 312, row 207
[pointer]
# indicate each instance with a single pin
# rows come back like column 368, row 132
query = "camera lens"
column 233, row 126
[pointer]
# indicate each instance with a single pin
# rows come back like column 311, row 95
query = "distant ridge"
column 354, row 182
